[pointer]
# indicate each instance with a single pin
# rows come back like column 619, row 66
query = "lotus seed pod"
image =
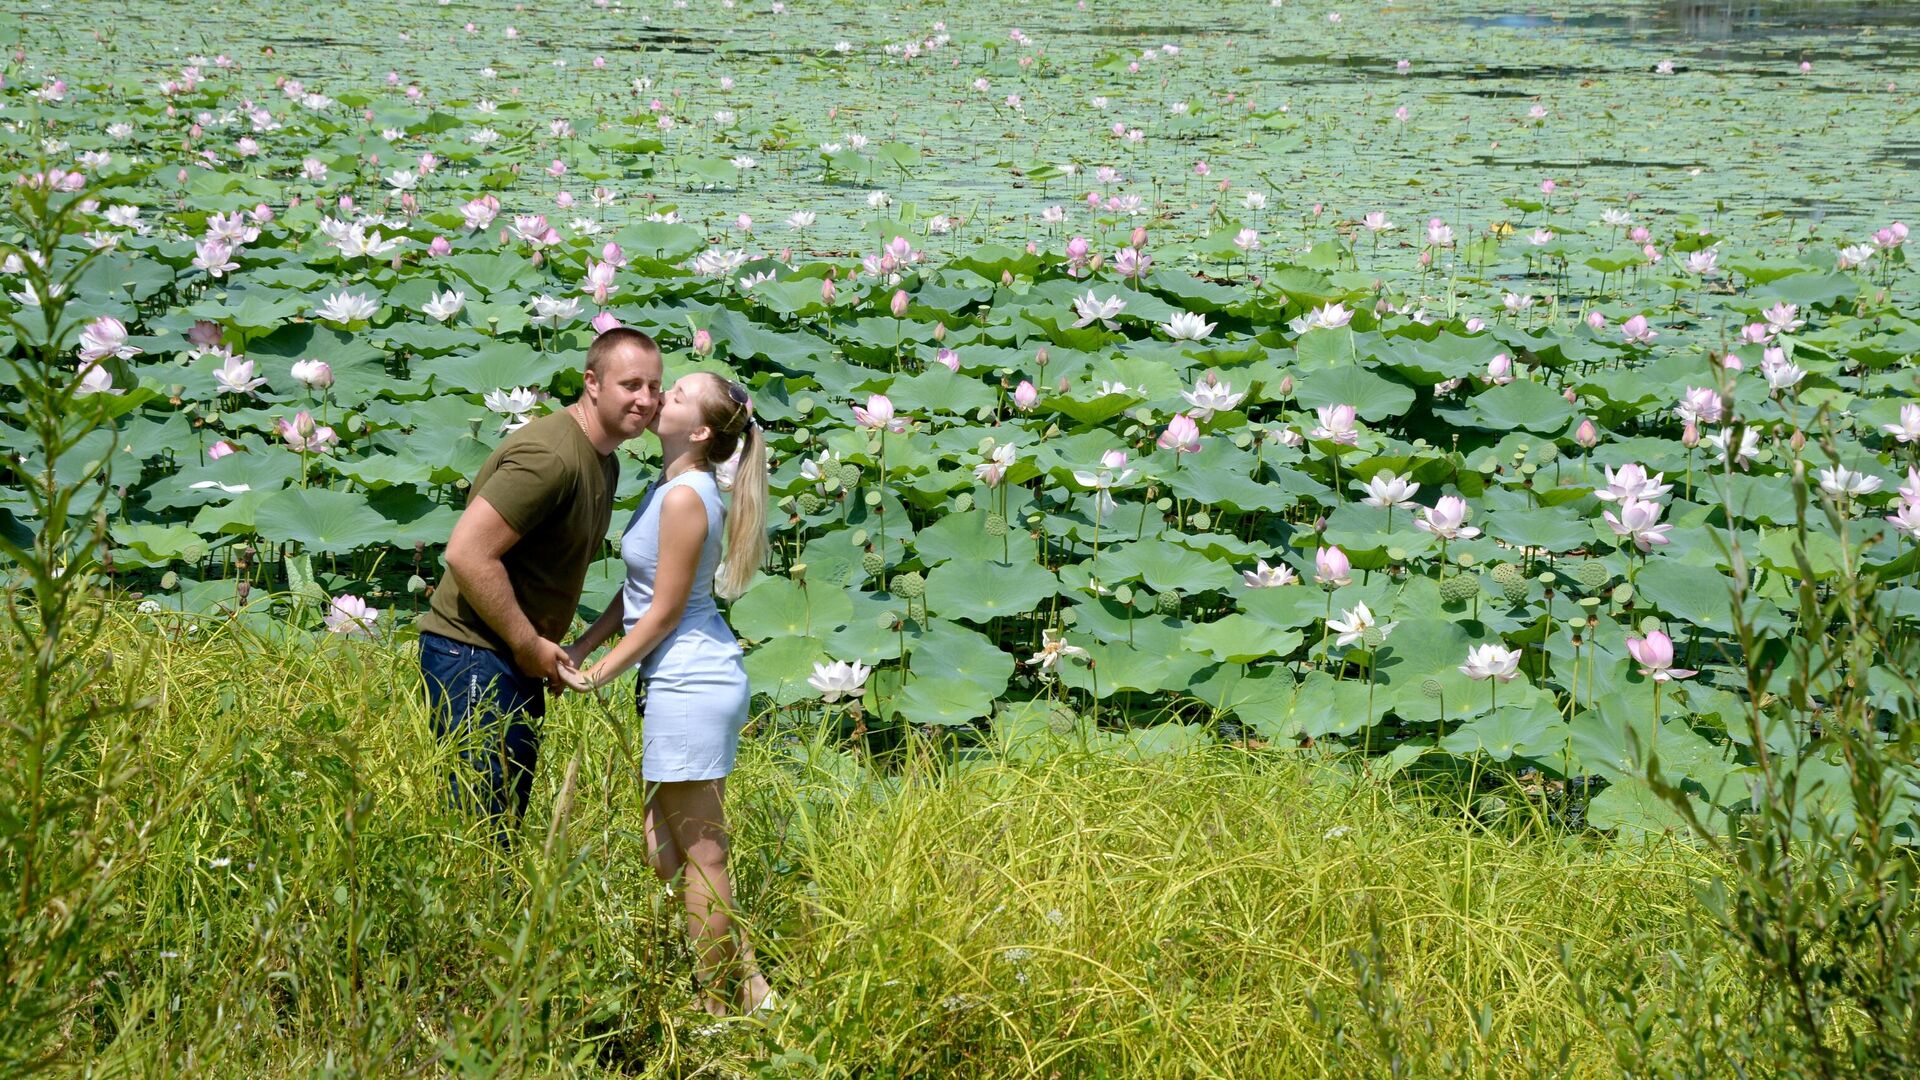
column 1515, row 591
column 169, row 579
column 416, row 584
column 811, row 503
column 1592, row 574
column 1372, row 638
column 963, row 502
column 1200, row 520
column 1432, row 687
column 1459, row 588
column 849, row 475
column 803, row 405
column 873, row 498
column 1167, row 603
column 798, row 571
column 908, row 585
column 996, row 525
column 872, row 563
column 1547, row 454
column 1506, row 573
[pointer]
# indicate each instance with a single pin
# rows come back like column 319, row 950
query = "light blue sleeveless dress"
column 693, row 685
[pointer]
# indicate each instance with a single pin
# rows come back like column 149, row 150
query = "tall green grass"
column 304, row 902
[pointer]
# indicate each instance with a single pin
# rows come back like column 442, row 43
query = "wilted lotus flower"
column 345, row 307
column 351, row 615
column 879, row 415
column 1491, row 661
column 302, row 436
column 1639, row 522
column 1331, row 567
column 1906, row 431
column 1182, row 435
column 313, row 374
column 998, row 462
column 1632, row 482
column 1655, row 656
column 445, row 305
column 838, row 678
column 1842, row 482
column 1447, row 519
column 1187, row 326
column 1337, row 424
column 1025, row 396
column 1388, row 491
column 1053, row 648
column 1263, row 576
column 1354, row 623
column 1209, row 396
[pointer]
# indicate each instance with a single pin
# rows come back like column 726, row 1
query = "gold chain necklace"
column 574, row 411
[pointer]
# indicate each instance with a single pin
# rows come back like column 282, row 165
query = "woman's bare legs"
column 695, row 822
column 662, row 853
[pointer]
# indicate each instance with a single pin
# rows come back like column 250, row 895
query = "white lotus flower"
column 1388, row 491
column 553, row 311
column 445, row 305
column 719, row 262
column 839, row 679
column 1748, row 449
column 1841, row 481
column 1209, row 396
column 1354, row 623
column 403, row 179
column 1263, row 576
column 1053, row 648
column 1632, row 482
column 514, row 404
column 1492, row 661
column 1092, row 308
column 1187, row 326
column 235, row 376
column 351, row 615
column 345, row 307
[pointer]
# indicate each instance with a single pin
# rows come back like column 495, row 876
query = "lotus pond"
column 1421, row 379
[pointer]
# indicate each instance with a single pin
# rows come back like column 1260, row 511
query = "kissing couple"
column 535, row 520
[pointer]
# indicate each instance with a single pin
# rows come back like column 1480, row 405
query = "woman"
column 692, row 689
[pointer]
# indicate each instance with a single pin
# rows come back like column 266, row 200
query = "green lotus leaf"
column 321, row 520
column 983, row 591
column 1240, row 639
column 964, row 537
column 780, row 668
column 1522, row 405
column 777, row 607
column 1534, row 730
column 1373, row 396
column 943, row 701
column 950, row 650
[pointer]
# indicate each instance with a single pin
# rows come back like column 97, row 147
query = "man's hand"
column 540, row 658
column 576, row 655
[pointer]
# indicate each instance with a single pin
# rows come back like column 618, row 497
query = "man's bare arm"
column 480, row 538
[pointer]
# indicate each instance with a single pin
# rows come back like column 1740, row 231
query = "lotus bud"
column 1096, row 261
column 1138, row 239
column 346, row 203
column 1799, row 440
column 1040, row 356
column 193, row 132
column 1025, row 395
column 899, row 303
column 939, row 331
column 702, row 343
column 1572, row 398
column 1006, row 277
column 604, row 322
column 1286, row 386
column 1033, row 248
column 242, row 588
column 409, row 205
column 1596, row 320
column 1425, row 260
column 1690, row 437
column 1063, row 384
column 538, row 258
column 1586, row 434
column 827, row 291
column 440, row 247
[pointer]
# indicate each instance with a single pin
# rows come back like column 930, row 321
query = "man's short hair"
column 612, row 341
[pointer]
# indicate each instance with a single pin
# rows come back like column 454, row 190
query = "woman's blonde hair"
column 728, row 412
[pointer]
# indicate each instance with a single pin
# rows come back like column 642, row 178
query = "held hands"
column 559, row 665
column 574, row 675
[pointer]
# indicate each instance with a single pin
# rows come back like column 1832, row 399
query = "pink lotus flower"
column 1182, row 435
column 313, row 374
column 599, row 281
column 1025, row 396
column 1596, row 321
column 104, row 337
column 702, row 343
column 1654, row 653
column 302, row 436
column 351, row 615
column 1337, row 424
column 948, row 359
column 1586, row 434
column 898, row 305
column 1636, row 330
column 1331, row 567
column 1447, row 519
column 1638, row 522
column 1632, row 482
column 219, row 450
column 604, row 322
column 440, row 248
column 1500, row 369
column 879, row 415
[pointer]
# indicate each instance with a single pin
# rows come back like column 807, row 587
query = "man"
column 535, row 520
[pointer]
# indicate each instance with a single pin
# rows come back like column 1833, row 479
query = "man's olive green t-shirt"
column 555, row 490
